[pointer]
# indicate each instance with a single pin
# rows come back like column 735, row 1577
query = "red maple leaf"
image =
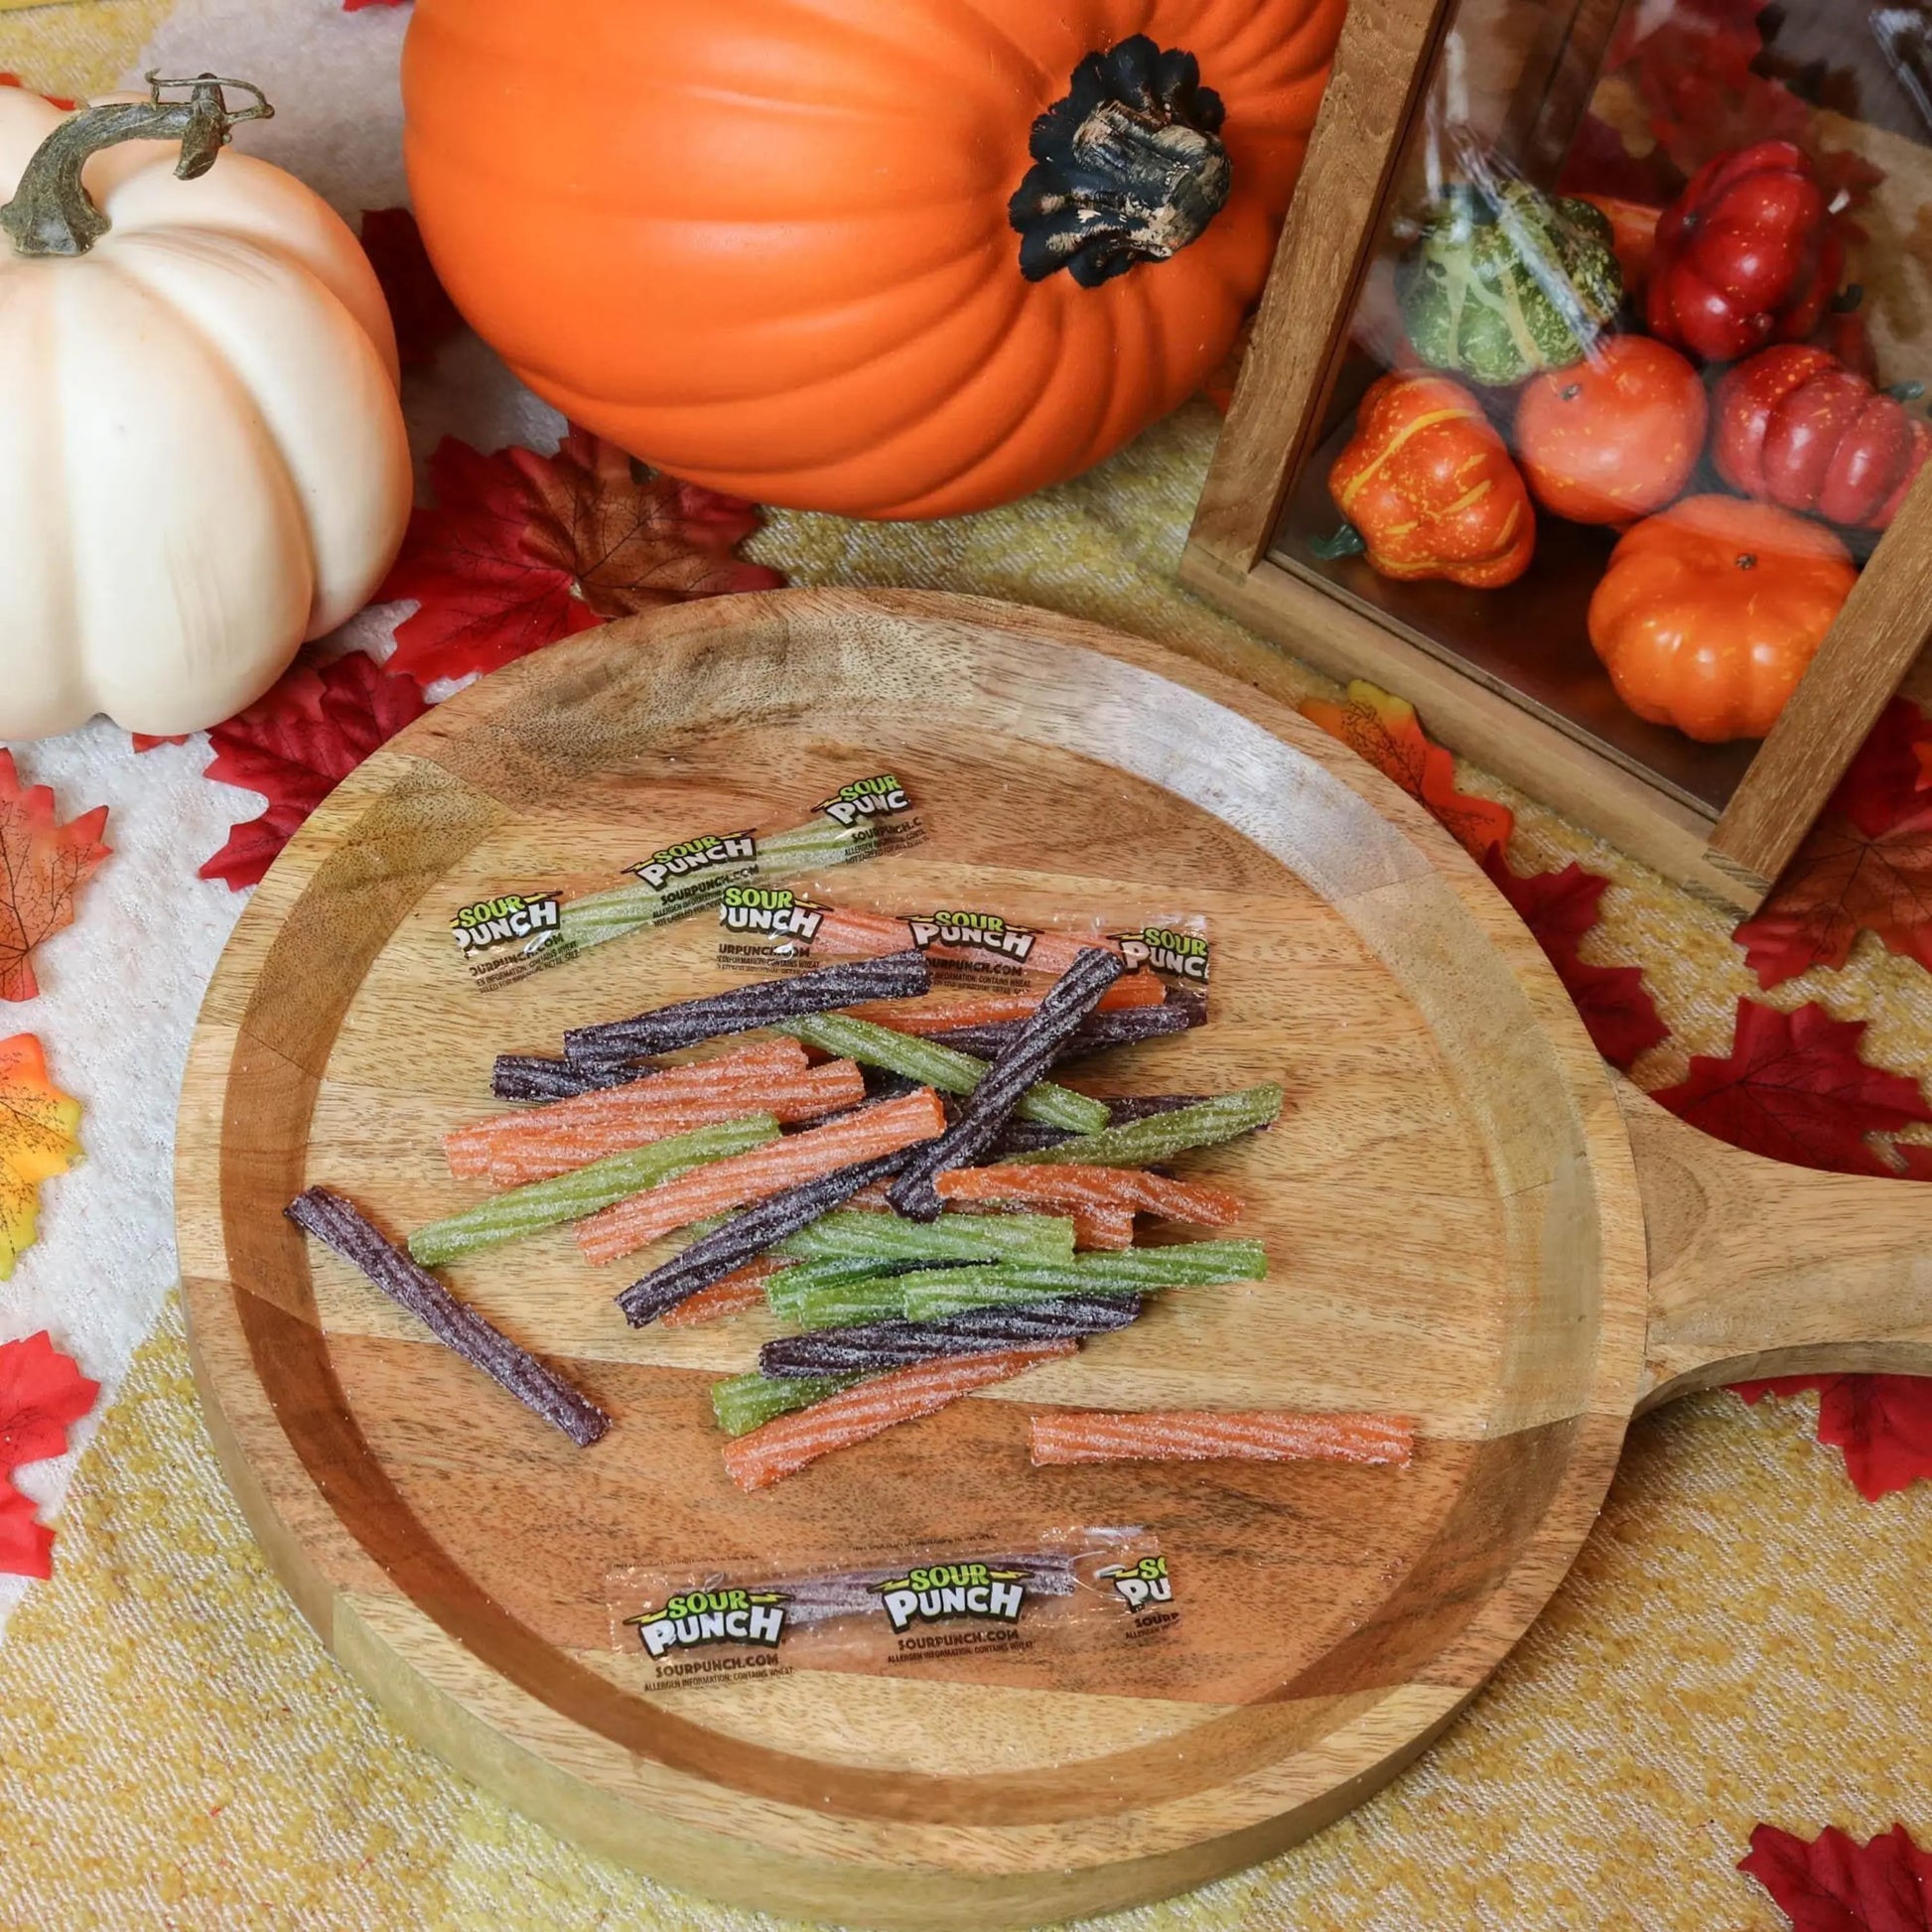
column 1794, row 1088
column 43, row 867
column 26, row 1547
column 1883, row 1423
column 1865, row 867
column 143, row 742
column 420, row 306
column 296, row 744
column 41, row 1395
column 1560, row 908
column 1835, row 1884
column 522, row 549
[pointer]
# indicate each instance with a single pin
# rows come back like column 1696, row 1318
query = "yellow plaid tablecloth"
column 1743, row 1638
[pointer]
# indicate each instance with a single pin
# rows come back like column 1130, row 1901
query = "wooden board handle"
column 1761, row 1268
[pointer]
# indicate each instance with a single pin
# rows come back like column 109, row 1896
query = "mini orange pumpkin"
column 891, row 259
column 1710, row 614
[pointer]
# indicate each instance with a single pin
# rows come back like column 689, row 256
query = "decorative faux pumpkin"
column 1613, row 436
column 1428, row 488
column 1746, row 255
column 890, row 259
column 1796, row 427
column 1710, row 614
column 1503, row 281
column 205, row 459
column 1633, row 234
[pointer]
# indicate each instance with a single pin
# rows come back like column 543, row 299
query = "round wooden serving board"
column 1469, row 1222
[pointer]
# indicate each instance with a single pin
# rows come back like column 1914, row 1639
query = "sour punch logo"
column 515, row 915
column 696, row 1617
column 695, row 856
column 772, row 909
column 880, row 797
column 952, row 1589
column 981, row 931
column 1141, row 1585
column 1181, row 955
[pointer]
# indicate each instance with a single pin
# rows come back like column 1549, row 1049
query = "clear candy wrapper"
column 1063, row 1604
column 510, row 937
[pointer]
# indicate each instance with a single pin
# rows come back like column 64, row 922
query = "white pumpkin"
column 203, row 460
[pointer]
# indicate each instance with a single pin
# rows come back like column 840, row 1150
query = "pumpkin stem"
column 52, row 213
column 1346, row 542
column 1128, row 167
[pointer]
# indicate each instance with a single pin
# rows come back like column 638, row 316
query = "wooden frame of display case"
column 1382, row 67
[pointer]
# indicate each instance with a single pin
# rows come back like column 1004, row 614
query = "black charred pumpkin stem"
column 52, row 213
column 1128, row 167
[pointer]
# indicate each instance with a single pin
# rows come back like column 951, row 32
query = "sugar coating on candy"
column 825, row 1090
column 1096, row 1034
column 850, row 1304
column 943, row 1016
column 737, row 1294
column 1204, row 1436
column 1101, row 1229
column 743, row 1402
column 940, row 1068
column 935, row 1293
column 533, row 1077
column 1069, row 1188
column 881, row 1345
column 1143, row 1143
column 469, row 1148
column 583, row 1191
column 342, row 1227
column 1029, row 1135
column 663, row 1029
column 1031, row 1051
column 852, row 1234
column 888, row 1127
column 744, row 1237
column 785, row 1446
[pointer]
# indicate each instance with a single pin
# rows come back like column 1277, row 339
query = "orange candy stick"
column 1130, row 990
column 1070, row 1187
column 875, row 1131
column 783, row 1446
column 1207, row 1436
column 733, row 1296
column 844, row 935
column 468, row 1148
column 828, row 1089
column 1102, row 1228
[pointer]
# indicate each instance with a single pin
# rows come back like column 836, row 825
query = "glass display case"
column 1585, row 407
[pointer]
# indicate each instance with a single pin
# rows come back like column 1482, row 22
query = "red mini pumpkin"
column 892, row 258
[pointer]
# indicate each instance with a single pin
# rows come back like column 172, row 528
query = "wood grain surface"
column 1453, row 1217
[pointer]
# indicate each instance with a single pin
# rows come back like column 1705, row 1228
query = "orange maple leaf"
column 1386, row 732
column 37, row 1140
column 43, row 865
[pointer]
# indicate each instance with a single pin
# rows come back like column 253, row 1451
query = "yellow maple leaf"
column 37, row 1140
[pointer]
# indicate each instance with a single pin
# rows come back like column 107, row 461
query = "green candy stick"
column 518, row 1211
column 937, row 1292
column 933, row 1065
column 859, row 1234
column 828, row 1303
column 1141, row 1142
column 748, row 1401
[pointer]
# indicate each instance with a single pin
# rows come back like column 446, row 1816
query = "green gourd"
column 1504, row 281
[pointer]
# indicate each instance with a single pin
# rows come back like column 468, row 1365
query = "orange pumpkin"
column 1615, row 436
column 1709, row 614
column 890, row 257
column 1429, row 488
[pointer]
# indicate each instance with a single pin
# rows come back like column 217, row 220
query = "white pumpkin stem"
column 52, row 213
